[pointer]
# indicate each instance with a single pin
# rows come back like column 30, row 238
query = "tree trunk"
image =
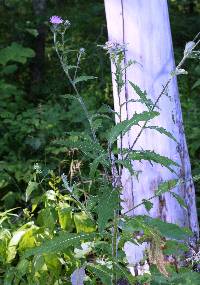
column 144, row 26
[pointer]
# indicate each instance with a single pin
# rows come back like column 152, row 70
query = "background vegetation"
column 34, row 115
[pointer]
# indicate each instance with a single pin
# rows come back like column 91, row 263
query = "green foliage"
column 143, row 96
column 108, row 202
column 152, row 156
column 102, row 272
column 15, row 52
column 68, row 223
column 126, row 125
column 162, row 131
column 60, row 243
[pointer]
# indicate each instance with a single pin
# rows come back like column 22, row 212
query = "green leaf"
column 13, row 243
column 33, row 32
column 52, row 262
column 22, row 267
column 173, row 247
column 148, row 205
column 60, row 243
column 9, row 69
column 196, row 84
column 102, row 272
column 125, row 126
column 179, row 199
column 162, row 131
column 28, row 240
column 47, row 218
column 128, row 165
column 168, row 230
column 152, row 156
column 108, row 202
column 65, row 217
column 15, row 52
column 166, row 186
column 86, row 145
column 152, row 226
column 83, row 78
column 142, row 95
column 32, row 186
column 83, row 223
column 100, row 160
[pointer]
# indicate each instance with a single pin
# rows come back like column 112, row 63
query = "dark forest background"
column 32, row 112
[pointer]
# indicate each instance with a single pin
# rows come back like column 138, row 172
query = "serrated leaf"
column 152, row 156
column 127, row 164
column 168, row 230
column 83, row 78
column 162, row 131
column 101, row 160
column 125, row 126
column 60, row 243
column 166, row 186
column 102, row 272
column 151, row 226
column 108, row 202
column 179, row 199
column 148, row 205
column 142, row 95
column 174, row 247
column 86, row 145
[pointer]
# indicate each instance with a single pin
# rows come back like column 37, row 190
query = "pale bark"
column 144, row 25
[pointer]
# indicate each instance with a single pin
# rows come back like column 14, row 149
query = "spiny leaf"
column 124, row 273
column 108, row 202
column 83, row 78
column 168, row 230
column 60, row 243
column 125, row 126
column 142, row 95
column 101, row 160
column 151, row 226
column 179, row 199
column 85, row 145
column 162, row 131
column 152, row 156
column 127, row 164
column 166, row 186
column 148, row 205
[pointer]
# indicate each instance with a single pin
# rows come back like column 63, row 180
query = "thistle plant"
column 78, row 228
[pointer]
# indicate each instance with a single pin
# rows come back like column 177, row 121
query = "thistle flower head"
column 67, row 24
column 81, row 50
column 114, row 47
column 56, row 20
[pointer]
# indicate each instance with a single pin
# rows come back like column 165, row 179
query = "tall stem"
column 74, row 87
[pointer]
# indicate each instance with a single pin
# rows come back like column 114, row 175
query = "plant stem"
column 75, row 89
column 114, row 246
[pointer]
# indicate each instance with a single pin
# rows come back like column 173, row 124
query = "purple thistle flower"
column 56, row 20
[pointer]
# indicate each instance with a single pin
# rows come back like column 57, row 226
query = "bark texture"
column 144, row 26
